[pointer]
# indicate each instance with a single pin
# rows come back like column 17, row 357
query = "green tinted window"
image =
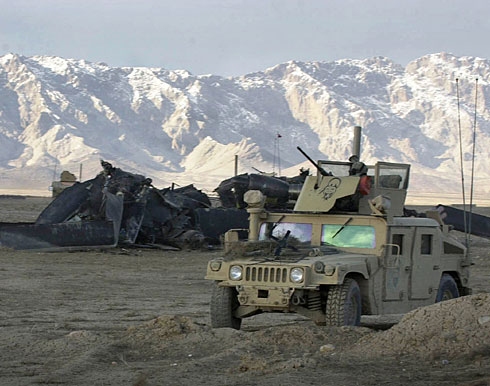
column 353, row 236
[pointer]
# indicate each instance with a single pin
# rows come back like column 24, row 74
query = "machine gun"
column 318, row 167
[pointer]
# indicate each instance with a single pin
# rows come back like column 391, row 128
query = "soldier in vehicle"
column 357, row 168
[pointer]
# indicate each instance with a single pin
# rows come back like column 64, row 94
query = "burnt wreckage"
column 118, row 208
column 122, row 208
column 281, row 192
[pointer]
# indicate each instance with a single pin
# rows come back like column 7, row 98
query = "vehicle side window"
column 426, row 245
column 397, row 239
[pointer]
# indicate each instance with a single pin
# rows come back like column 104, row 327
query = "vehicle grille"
column 266, row 274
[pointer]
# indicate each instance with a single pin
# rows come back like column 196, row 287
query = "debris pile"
column 119, row 208
column 280, row 191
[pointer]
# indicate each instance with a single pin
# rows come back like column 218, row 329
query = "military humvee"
column 67, row 179
column 345, row 250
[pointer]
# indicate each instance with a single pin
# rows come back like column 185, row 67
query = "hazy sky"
column 235, row 37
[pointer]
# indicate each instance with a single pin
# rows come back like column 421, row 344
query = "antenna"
column 277, row 155
column 473, row 161
column 54, row 172
column 461, row 160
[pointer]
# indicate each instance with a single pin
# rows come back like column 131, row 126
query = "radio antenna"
column 462, row 171
column 277, row 155
column 473, row 160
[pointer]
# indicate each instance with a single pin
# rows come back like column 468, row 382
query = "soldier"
column 357, row 167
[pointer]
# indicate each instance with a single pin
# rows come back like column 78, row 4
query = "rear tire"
column 224, row 302
column 344, row 304
column 448, row 289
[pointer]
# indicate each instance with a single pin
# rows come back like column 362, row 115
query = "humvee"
column 345, row 250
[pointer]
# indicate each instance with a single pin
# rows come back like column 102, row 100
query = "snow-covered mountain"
column 176, row 127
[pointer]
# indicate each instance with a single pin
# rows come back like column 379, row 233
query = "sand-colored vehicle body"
column 345, row 250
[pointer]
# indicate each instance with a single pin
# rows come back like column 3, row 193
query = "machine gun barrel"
column 318, row 167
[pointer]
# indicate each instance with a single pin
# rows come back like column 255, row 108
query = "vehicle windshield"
column 348, row 236
column 299, row 232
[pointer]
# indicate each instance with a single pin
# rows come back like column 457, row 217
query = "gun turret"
column 318, row 167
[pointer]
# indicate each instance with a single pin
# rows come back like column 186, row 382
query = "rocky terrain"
column 174, row 126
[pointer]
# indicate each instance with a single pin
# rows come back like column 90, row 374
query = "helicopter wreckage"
column 118, row 208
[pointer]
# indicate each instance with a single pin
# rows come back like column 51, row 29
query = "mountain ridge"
column 176, row 127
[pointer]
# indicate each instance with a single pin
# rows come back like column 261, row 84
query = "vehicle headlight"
column 297, row 275
column 236, row 272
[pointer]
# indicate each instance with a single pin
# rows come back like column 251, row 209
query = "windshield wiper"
column 342, row 227
column 274, row 227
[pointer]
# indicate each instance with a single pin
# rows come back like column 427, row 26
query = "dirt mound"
column 281, row 348
column 451, row 329
column 163, row 329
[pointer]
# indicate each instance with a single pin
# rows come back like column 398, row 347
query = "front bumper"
column 265, row 297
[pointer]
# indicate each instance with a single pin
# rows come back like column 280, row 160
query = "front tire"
column 344, row 304
column 224, row 302
column 448, row 289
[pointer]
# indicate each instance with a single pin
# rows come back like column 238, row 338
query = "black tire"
column 448, row 289
column 224, row 302
column 344, row 304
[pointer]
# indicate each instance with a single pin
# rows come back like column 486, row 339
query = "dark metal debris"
column 476, row 224
column 119, row 208
column 280, row 191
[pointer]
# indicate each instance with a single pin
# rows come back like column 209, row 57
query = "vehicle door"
column 426, row 257
column 397, row 264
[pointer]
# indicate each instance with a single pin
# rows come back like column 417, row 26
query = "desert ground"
column 141, row 317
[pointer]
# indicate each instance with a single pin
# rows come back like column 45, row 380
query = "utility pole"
column 277, row 155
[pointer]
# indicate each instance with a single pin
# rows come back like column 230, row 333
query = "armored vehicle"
column 346, row 249
column 67, row 179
